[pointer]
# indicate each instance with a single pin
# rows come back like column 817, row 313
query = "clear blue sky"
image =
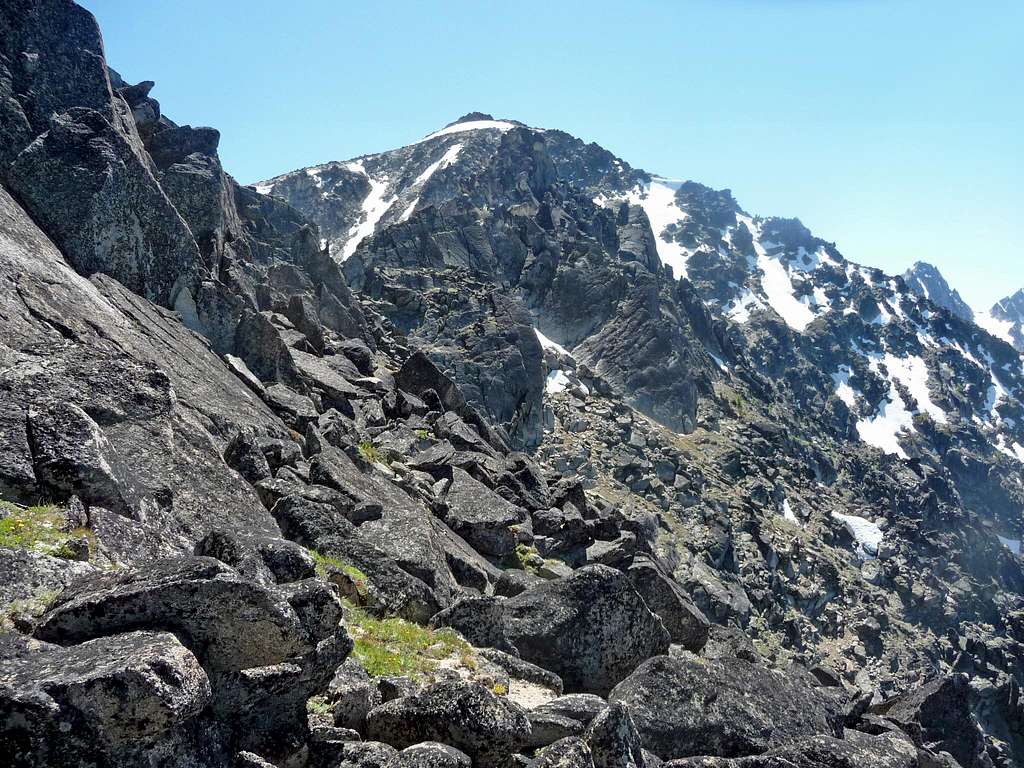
column 894, row 128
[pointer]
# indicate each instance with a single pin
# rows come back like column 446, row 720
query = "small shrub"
column 371, row 453
column 422, row 434
column 500, row 689
column 528, row 557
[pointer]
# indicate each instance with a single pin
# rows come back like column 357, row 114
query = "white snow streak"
column 446, row 159
column 844, row 391
column 912, row 372
column 787, row 512
column 779, row 290
column 374, row 207
column 470, row 125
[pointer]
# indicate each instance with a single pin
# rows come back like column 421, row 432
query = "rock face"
column 883, row 751
column 728, row 707
column 938, row 715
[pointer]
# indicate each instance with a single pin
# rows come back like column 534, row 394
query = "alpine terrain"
column 490, row 450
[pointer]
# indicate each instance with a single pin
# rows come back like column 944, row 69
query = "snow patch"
column 788, row 514
column 556, row 382
column 778, row 288
column 658, row 199
column 998, row 328
column 912, row 372
column 740, row 311
column 844, row 391
column 264, row 189
column 445, row 160
column 1011, row 544
column 882, row 429
column 470, row 125
column 866, row 533
column 547, row 343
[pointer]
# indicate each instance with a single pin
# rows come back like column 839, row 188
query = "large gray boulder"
column 229, row 622
column 431, row 754
column 939, row 715
column 592, row 628
column 685, row 622
column 96, row 699
column 570, row 752
column 861, row 751
column 480, row 516
column 614, row 739
column 726, row 707
column 464, row 715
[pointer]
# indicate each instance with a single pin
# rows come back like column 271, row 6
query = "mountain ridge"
column 555, row 441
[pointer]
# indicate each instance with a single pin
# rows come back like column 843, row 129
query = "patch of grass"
column 317, row 705
column 38, row 529
column 422, row 434
column 371, row 453
column 324, row 562
column 392, row 646
column 500, row 689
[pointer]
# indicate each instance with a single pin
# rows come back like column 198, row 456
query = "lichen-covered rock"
column 827, row 752
column 431, row 754
column 725, row 707
column 614, row 739
column 591, row 628
column 467, row 716
column 352, row 694
column 684, row 621
column 570, row 752
column 480, row 516
column 98, row 698
column 232, row 623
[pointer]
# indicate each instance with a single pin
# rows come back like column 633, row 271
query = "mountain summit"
column 490, row 450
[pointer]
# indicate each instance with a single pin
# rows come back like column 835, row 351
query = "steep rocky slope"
column 490, row 450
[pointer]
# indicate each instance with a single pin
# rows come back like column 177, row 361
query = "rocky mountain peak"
column 925, row 280
column 1006, row 319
